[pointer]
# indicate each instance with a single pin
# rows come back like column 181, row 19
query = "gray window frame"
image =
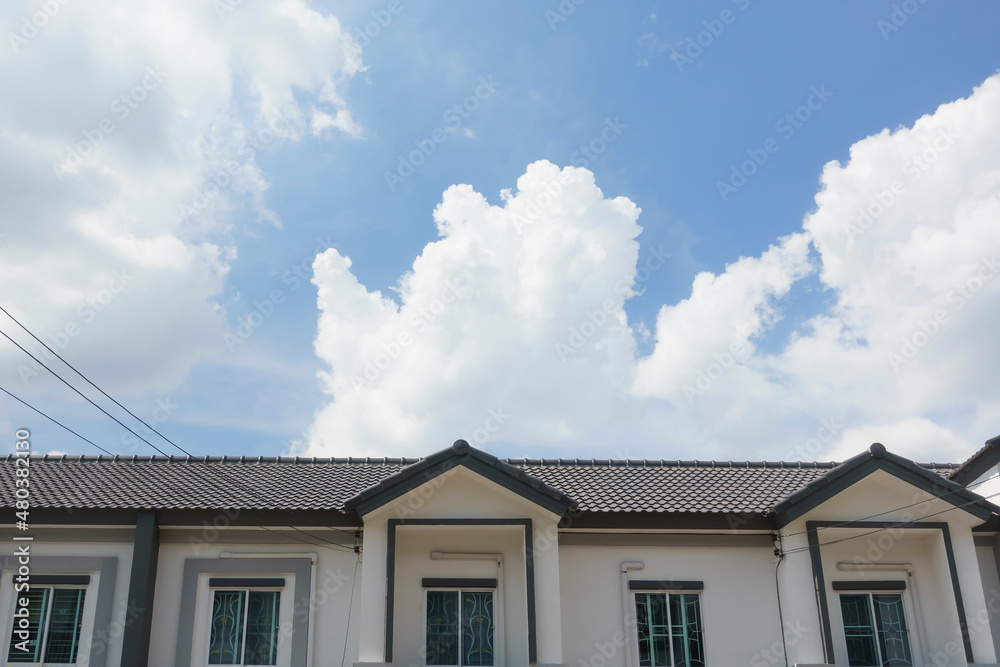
column 105, row 566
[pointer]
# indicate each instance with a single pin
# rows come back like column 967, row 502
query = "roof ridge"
column 389, row 460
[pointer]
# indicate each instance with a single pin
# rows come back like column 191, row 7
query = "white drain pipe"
column 628, row 618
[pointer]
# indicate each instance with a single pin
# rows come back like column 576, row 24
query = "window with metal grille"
column 669, row 629
column 244, row 627
column 50, row 634
column 876, row 631
column 460, row 628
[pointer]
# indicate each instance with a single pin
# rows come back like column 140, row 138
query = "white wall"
column 460, row 494
column 119, row 613
column 886, row 496
column 335, row 573
column 739, row 605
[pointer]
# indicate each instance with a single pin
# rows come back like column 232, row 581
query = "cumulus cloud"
column 520, row 308
column 129, row 134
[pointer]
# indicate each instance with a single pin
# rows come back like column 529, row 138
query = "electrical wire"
column 57, row 423
column 82, row 395
column 88, row 399
column 914, row 523
column 919, row 502
column 777, row 591
column 94, row 385
column 350, row 606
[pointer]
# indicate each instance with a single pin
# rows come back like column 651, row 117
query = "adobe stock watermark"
column 562, row 13
column 927, row 329
column 87, row 311
column 121, row 108
column 696, row 45
column 595, row 320
column 454, row 117
column 723, row 361
column 901, row 13
column 827, row 432
column 374, row 367
column 32, row 25
column 914, row 168
column 222, row 176
column 583, row 156
column 774, row 654
column 786, row 126
column 380, row 20
column 265, row 308
column 163, row 411
column 411, row 503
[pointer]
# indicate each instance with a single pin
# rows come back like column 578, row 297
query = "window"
column 460, row 627
column 244, row 627
column 669, row 629
column 875, row 629
column 54, row 622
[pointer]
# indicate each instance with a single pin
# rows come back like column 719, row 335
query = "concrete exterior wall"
column 107, row 637
column 580, row 618
column 460, row 494
column 739, row 604
column 332, row 592
column 935, row 635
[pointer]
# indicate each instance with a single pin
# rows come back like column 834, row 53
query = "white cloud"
column 527, row 273
column 117, row 127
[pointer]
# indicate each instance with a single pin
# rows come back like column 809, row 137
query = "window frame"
column 498, row 656
column 908, row 617
column 245, row 590
column 696, row 588
column 86, row 622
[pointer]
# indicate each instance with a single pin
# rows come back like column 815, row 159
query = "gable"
column 461, row 455
column 878, row 460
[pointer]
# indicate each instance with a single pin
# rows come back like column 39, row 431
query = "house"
column 460, row 558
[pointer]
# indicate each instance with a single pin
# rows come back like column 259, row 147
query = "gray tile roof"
column 325, row 484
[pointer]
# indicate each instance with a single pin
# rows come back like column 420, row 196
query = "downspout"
column 905, row 567
column 313, row 557
column 628, row 617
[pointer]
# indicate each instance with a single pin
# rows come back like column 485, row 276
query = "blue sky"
column 679, row 119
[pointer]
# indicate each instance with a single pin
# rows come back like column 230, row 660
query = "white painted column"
column 976, row 611
column 798, row 600
column 372, row 624
column 548, row 602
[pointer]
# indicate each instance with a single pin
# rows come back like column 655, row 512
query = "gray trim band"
column 817, row 567
column 894, row 585
column 390, row 572
column 596, row 539
column 245, row 582
column 59, row 579
column 648, row 585
column 107, row 567
column 448, row 582
column 196, row 567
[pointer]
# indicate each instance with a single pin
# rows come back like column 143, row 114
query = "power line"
column 57, row 423
column 84, row 396
column 61, row 379
column 898, row 524
column 919, row 502
column 78, row 372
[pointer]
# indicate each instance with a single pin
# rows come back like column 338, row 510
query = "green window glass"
column 55, row 621
column 244, row 628
column 460, row 628
column 669, row 630
column 875, row 630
